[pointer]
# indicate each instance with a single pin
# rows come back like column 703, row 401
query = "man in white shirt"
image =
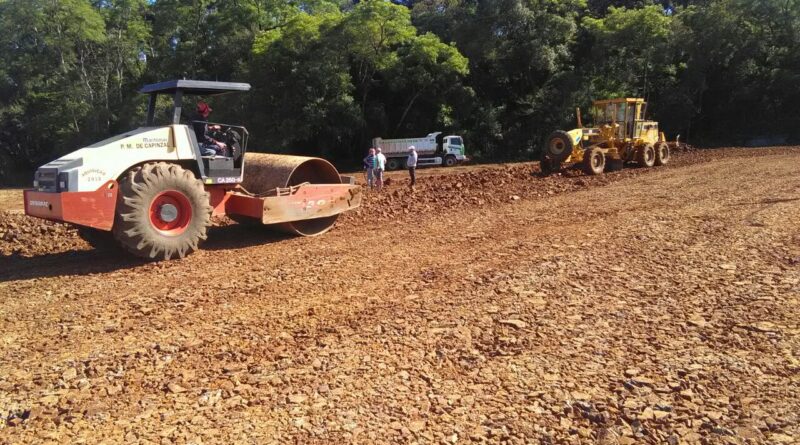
column 380, row 166
column 411, row 162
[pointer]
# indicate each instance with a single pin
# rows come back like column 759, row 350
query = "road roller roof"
column 197, row 87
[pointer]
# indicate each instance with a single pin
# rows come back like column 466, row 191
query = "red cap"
column 203, row 108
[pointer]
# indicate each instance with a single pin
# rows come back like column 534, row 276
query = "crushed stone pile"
column 22, row 235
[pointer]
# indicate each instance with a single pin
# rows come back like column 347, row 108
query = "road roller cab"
column 218, row 169
column 153, row 191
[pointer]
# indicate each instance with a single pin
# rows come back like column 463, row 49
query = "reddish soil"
column 487, row 306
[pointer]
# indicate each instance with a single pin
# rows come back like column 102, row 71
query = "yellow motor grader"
column 620, row 135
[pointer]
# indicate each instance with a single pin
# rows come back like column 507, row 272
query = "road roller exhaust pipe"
column 294, row 194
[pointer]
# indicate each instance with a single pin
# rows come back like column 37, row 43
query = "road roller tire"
column 594, row 161
column 558, row 146
column 163, row 212
column 646, row 155
column 662, row 153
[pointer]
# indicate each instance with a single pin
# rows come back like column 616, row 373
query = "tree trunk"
column 405, row 112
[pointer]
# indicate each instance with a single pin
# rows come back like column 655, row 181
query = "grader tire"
column 163, row 211
column 594, row 161
column 558, row 146
column 646, row 156
column 662, row 153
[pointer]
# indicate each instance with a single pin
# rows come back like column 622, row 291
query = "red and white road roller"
column 154, row 191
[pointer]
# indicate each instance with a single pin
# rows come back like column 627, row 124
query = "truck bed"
column 399, row 147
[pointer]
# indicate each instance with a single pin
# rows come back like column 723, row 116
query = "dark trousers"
column 412, row 173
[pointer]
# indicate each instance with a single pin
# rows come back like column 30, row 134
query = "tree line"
column 329, row 75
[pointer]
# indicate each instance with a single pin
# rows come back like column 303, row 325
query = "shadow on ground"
column 238, row 236
column 92, row 261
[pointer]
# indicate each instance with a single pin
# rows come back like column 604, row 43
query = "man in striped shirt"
column 369, row 167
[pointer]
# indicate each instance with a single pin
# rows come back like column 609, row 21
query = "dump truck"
column 154, row 192
column 620, row 135
column 433, row 149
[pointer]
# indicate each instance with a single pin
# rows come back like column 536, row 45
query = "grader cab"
column 620, row 135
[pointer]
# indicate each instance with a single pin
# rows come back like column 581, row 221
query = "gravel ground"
column 645, row 306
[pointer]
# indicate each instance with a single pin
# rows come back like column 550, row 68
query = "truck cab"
column 450, row 151
column 453, row 145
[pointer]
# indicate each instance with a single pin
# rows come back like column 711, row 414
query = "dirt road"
column 647, row 306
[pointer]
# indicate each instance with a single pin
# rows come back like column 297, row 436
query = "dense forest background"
column 328, row 75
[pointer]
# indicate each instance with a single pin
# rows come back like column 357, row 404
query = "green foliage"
column 373, row 30
column 302, row 98
column 621, row 68
column 743, row 69
column 328, row 75
column 66, row 74
column 427, row 68
column 329, row 81
column 519, row 54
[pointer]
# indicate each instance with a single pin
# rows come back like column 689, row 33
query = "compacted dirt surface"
column 489, row 306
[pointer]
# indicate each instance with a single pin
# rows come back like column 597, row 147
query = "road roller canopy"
column 194, row 87
column 178, row 88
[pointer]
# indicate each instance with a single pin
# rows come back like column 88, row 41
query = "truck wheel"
column 392, row 164
column 162, row 211
column 594, row 161
column 558, row 146
column 450, row 161
column 662, row 153
column 646, row 155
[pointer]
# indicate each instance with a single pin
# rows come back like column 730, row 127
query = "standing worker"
column 411, row 162
column 369, row 167
column 380, row 166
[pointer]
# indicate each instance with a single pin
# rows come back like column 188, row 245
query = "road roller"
column 154, row 190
